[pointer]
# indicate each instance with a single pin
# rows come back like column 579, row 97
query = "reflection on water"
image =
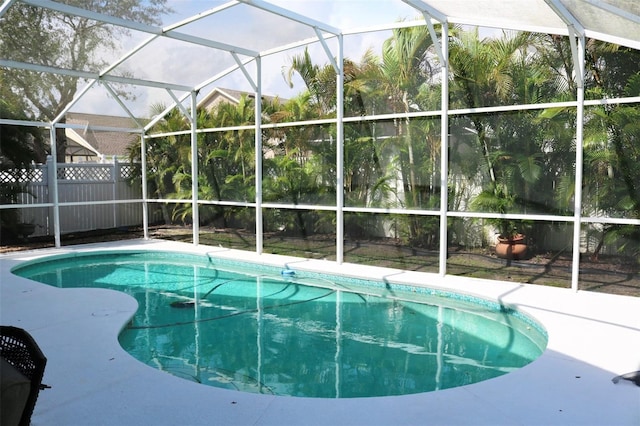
column 298, row 336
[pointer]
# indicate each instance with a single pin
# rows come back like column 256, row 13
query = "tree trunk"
column 61, row 144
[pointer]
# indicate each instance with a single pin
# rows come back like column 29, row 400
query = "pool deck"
column 593, row 338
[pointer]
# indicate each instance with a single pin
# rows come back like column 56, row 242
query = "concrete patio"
column 593, row 338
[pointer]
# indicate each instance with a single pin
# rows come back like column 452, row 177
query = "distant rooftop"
column 92, row 144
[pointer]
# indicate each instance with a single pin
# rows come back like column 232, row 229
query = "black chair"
column 21, row 353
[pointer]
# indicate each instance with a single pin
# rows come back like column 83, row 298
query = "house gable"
column 87, row 144
column 220, row 95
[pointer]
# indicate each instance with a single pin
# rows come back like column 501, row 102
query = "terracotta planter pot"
column 511, row 248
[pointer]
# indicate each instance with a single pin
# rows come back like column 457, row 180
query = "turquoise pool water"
column 262, row 329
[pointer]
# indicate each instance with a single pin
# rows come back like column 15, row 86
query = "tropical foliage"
column 53, row 39
column 17, row 151
column 519, row 161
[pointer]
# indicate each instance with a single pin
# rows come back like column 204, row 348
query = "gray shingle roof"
column 105, row 142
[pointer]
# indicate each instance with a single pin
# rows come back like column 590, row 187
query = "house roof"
column 89, row 142
column 219, row 94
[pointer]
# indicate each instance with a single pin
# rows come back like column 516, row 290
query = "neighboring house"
column 89, row 145
column 219, row 95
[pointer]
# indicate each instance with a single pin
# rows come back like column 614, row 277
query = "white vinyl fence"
column 77, row 183
column 109, row 184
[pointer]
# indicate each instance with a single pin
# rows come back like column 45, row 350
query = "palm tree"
column 610, row 144
column 239, row 142
column 168, row 158
column 319, row 80
column 482, row 76
column 405, row 69
column 497, row 72
column 366, row 175
column 300, row 164
column 406, row 66
column 612, row 156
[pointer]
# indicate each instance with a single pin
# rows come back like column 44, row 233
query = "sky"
column 178, row 62
column 169, row 60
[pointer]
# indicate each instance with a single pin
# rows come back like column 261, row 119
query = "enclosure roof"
column 239, row 31
column 614, row 21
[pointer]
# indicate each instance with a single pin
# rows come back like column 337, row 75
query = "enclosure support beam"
column 258, row 158
column 145, row 195
column 324, row 45
column 166, row 111
column 428, row 9
column 178, row 104
column 90, row 75
column 194, row 169
column 137, row 26
column 444, row 149
column 223, row 73
column 442, row 50
column 5, row 6
column 577, row 40
column 292, row 16
column 122, row 105
column 434, row 37
column 75, row 99
column 54, row 187
column 579, row 68
column 340, row 152
column 242, row 68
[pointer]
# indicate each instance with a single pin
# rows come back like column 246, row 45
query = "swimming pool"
column 263, row 329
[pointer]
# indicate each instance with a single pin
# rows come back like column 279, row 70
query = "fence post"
column 115, row 170
column 50, row 176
